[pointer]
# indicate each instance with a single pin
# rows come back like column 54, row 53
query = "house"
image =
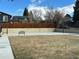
column 68, row 20
column 20, row 19
column 4, row 17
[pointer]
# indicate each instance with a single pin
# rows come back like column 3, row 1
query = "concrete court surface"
column 40, row 33
column 5, row 48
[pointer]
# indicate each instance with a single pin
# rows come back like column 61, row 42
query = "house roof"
column 5, row 13
column 22, row 16
column 67, row 15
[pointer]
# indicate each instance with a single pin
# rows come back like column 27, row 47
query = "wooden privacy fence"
column 28, row 25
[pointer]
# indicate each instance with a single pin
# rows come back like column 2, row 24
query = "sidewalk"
column 5, row 48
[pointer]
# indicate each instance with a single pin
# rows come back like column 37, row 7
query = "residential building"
column 20, row 19
column 4, row 17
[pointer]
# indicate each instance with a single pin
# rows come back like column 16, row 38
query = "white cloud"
column 36, row 2
column 35, row 5
column 41, row 11
column 67, row 9
column 32, row 7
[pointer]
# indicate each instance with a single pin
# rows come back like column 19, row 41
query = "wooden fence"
column 28, row 25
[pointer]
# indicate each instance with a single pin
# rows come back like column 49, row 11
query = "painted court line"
column 5, row 49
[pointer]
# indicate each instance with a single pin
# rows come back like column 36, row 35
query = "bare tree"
column 54, row 16
column 58, row 16
column 36, row 15
column 49, row 16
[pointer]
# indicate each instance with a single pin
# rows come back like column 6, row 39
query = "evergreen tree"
column 25, row 12
column 76, row 14
column 76, row 11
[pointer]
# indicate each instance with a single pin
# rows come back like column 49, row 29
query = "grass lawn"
column 45, row 47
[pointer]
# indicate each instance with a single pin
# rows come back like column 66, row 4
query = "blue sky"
column 16, row 7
